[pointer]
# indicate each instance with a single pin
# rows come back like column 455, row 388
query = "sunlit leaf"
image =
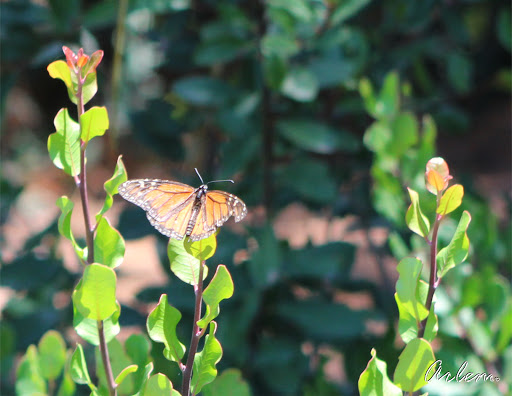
column 95, row 297
column 184, row 265
column 64, row 144
column 64, row 224
column 94, row 122
column 415, row 219
column 374, row 379
column 127, row 371
column 202, row 249
column 158, row 385
column 88, row 328
column 109, row 245
column 221, row 287
column 78, row 367
column 229, row 383
column 111, row 186
column 451, row 199
column 413, row 363
column 205, row 362
column 458, row 248
column 161, row 325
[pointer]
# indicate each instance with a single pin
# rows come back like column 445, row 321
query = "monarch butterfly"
column 178, row 210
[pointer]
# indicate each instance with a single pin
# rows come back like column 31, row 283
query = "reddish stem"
column 89, row 233
column 196, row 335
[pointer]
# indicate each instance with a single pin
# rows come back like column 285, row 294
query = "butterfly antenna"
column 212, row 181
column 219, row 181
column 200, row 178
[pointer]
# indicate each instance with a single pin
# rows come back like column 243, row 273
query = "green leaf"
column 221, row 287
column 202, row 249
column 460, row 72
column 89, row 88
column 109, row 245
column 52, row 354
column 300, row 84
column 202, row 91
column 94, row 122
column 78, row 367
column 64, row 225
column 137, row 348
column 413, row 363
column 64, row 144
column 118, row 361
column 158, row 385
column 328, row 262
column 458, row 248
column 316, row 137
column 405, row 134
column 377, row 136
column 346, row 9
column 374, row 379
column 184, row 265
column 279, row 44
column 67, row 385
column 60, row 70
column 111, row 186
column 299, row 9
column 451, row 199
column 205, row 361
column 410, row 297
column 229, row 383
column 367, row 93
column 29, row 380
column 222, row 51
column 148, row 369
column 126, row 371
column 88, row 328
column 504, row 337
column 322, row 321
column 415, row 219
column 388, row 102
column 299, row 175
column 95, row 296
column 161, row 325
column 274, row 70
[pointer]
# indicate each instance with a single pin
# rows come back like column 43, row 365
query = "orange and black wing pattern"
column 178, row 210
column 217, row 208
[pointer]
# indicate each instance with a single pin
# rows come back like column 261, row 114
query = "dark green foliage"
column 303, row 89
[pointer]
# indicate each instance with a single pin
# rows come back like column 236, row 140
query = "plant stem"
column 433, row 274
column 106, row 360
column 196, row 335
column 89, row 233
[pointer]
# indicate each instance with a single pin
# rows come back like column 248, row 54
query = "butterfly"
column 178, row 210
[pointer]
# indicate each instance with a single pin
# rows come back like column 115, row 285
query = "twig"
column 196, row 335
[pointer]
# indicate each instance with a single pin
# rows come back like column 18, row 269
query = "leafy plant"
column 120, row 369
column 418, row 322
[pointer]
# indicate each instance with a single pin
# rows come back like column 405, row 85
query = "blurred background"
column 322, row 111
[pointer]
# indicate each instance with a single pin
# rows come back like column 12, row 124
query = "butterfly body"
column 178, row 210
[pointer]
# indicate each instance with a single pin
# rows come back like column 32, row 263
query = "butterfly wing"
column 168, row 204
column 172, row 209
column 216, row 209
